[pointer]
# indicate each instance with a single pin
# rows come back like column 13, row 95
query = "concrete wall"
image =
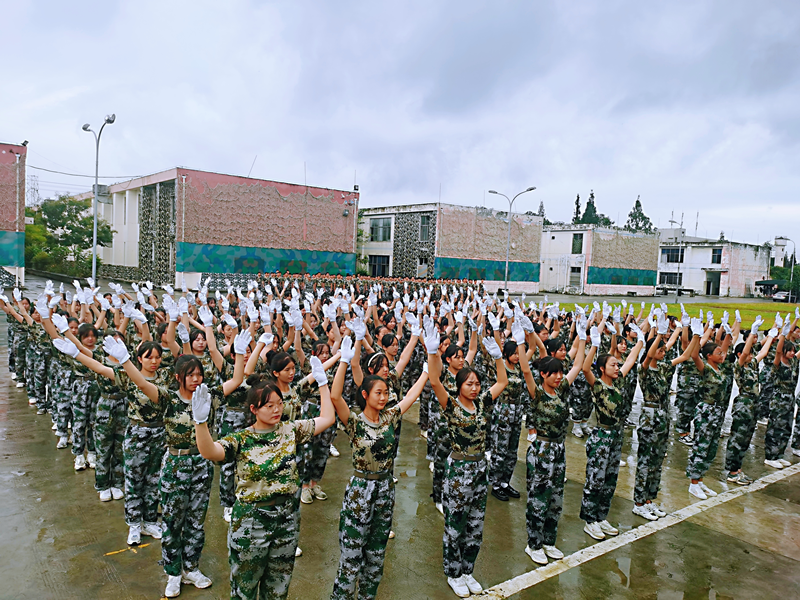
column 12, row 206
column 620, row 262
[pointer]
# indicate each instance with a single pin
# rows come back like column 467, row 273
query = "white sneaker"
column 423, row 434
column 173, row 586
column 226, row 513
column 696, row 491
column 440, row 508
column 105, row 496
column 306, row 497
column 707, row 490
column 762, row 421
column 577, row 430
column 775, row 464
column 31, row 401
column 796, row 451
column 538, row 556
column 196, row 578
column 117, row 493
column 80, row 462
column 656, row 510
column 430, row 466
column 153, row 530
column 13, row 375
column 593, row 529
column 586, row 428
column 784, row 462
column 608, row 528
column 62, row 442
column 334, row 452
column 91, row 459
column 135, row 536
column 623, row 463
column 319, row 494
column 298, row 552
column 553, row 552
column 20, row 385
column 472, row 584
column 391, row 535
column 643, row 512
column 458, row 586
column 54, row 427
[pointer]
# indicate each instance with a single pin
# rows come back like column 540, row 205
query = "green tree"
column 576, row 218
column 592, row 217
column 541, row 213
column 637, row 220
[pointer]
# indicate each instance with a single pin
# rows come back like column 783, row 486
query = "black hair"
column 509, row 348
column 649, row 345
column 553, row 345
column 463, row 375
column 161, row 330
column 194, row 334
column 548, row 365
column 602, row 361
column 374, row 362
column 145, row 348
column 369, row 382
column 185, row 365
column 85, row 329
column 279, row 361
column 708, row 348
column 788, row 346
column 260, row 393
column 388, row 339
column 73, row 320
column 450, row 352
column 317, row 346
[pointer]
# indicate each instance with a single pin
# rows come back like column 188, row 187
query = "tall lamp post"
column 508, row 240
column 680, row 248
column 107, row 121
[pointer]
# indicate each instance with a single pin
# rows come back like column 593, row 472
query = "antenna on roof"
column 251, row 166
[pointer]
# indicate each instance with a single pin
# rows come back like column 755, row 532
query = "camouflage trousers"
column 653, row 435
column 767, row 391
column 580, row 400
column 39, row 371
column 779, row 428
column 507, row 427
column 12, row 346
column 424, row 406
column 796, row 438
column 686, row 404
column 261, row 544
column 312, row 457
column 30, row 365
column 85, row 395
column 708, row 422
column 62, row 398
column 466, row 485
column 547, row 469
column 230, row 421
column 742, row 428
column 441, row 450
column 109, row 434
column 434, row 425
column 603, row 449
column 185, row 488
column 20, row 358
column 142, row 451
column 364, row 527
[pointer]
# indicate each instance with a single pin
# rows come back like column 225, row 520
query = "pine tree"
column 541, row 213
column 592, row 217
column 576, row 218
column 637, row 220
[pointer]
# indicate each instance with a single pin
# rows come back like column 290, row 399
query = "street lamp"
column 107, row 121
column 680, row 247
column 508, row 241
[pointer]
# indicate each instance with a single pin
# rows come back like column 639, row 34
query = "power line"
column 88, row 176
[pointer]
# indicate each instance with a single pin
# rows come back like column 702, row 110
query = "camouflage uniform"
column 234, row 416
column 40, row 350
column 61, row 391
column 779, row 428
column 12, row 342
column 744, row 415
column 603, row 449
column 708, row 418
column 85, row 395
column 465, row 483
column 507, row 425
column 767, row 387
column 441, row 438
column 580, row 397
column 653, row 430
column 21, row 351
column 690, row 385
column 546, row 464
column 366, row 517
column 262, row 537
column 111, row 420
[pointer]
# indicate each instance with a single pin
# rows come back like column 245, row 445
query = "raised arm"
column 338, row 384
column 414, row 393
column 502, row 378
column 577, row 366
column 240, row 344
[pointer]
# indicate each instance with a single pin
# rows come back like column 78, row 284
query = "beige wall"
column 623, row 250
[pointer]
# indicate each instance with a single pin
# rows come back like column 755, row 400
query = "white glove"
column 264, row 315
column 431, row 336
column 183, row 333
column 242, row 341
column 266, row 339
column 357, row 327
column 17, row 295
column 183, row 305
column 204, row 313
column 492, row 348
column 138, row 315
column 773, row 333
column 663, row 324
column 517, row 332
column 42, row 308
column 778, row 319
column 580, row 329
column 639, row 333
column 230, row 321
column 116, row 349
column 595, row 335
column 697, row 327
column 317, row 372
column 727, row 328
column 252, row 313
column 347, row 350
column 67, row 347
column 494, row 321
column 60, row 322
column 787, row 326
column 201, row 404
column 756, row 324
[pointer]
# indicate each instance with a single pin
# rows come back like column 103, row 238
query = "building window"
column 424, row 228
column 378, row 266
column 422, row 266
column 716, row 256
column 670, row 278
column 575, row 276
column 380, row 230
column 577, row 243
column 672, row 255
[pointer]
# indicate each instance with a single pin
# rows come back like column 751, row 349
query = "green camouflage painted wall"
column 487, row 270
column 12, row 248
column 600, row 276
column 213, row 258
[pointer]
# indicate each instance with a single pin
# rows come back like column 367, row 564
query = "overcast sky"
column 692, row 105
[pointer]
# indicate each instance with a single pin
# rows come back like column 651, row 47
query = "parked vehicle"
column 784, row 297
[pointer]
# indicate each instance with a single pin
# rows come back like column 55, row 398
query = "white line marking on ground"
column 531, row 578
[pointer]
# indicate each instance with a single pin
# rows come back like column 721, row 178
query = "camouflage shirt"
column 715, row 385
column 784, row 377
column 549, row 415
column 513, row 392
column 373, row 443
column 108, row 387
column 468, row 429
column 140, row 407
column 178, row 416
column 747, row 379
column 655, row 382
column 292, row 403
column 610, row 404
column 266, row 464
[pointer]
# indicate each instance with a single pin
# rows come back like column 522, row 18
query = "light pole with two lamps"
column 107, row 121
column 508, row 241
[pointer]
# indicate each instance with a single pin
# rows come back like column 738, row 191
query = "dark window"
column 575, row 276
column 670, row 278
column 424, row 228
column 577, row 243
column 422, row 266
column 380, row 230
column 378, row 266
column 672, row 255
column 716, row 256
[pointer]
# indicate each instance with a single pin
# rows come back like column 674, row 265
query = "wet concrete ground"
column 60, row 541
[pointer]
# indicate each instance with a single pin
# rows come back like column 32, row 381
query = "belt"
column 153, row 425
column 467, row 457
column 237, row 408
column 372, row 476
column 274, row 501
column 193, row 451
column 114, row 396
column 651, row 405
column 558, row 440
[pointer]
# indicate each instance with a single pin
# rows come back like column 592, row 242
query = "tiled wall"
column 486, row 270
column 407, row 248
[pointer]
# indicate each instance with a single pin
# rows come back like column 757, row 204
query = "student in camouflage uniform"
column 690, row 382
column 62, row 382
column 744, row 406
column 716, row 371
column 366, row 518
column 20, row 342
column 262, row 538
column 185, row 475
column 466, row 479
column 12, row 343
column 604, row 446
column 784, row 377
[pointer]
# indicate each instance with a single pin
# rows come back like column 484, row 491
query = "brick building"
column 12, row 211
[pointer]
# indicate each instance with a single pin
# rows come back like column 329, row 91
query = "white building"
column 711, row 267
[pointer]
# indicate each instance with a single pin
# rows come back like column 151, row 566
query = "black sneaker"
column 511, row 492
column 500, row 494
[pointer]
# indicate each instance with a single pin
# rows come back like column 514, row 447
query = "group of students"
column 273, row 370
